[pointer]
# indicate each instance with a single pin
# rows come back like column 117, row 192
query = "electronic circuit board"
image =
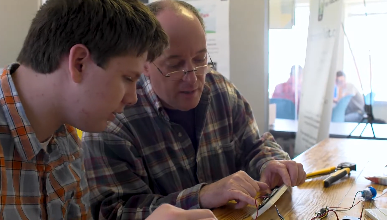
column 266, row 203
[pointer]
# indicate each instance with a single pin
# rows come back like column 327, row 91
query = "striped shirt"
column 143, row 160
column 37, row 184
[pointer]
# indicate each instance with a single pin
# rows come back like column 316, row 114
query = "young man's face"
column 187, row 50
column 103, row 92
column 340, row 81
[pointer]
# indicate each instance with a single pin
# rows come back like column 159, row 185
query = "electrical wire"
column 336, row 209
column 362, row 209
column 325, row 214
column 349, row 208
column 256, row 205
column 279, row 215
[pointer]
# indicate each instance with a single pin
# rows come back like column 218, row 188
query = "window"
column 287, row 47
column 367, row 34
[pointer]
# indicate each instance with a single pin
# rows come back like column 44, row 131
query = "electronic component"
column 268, row 201
column 322, row 213
column 369, row 193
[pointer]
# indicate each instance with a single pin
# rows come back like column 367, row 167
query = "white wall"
column 15, row 19
column 248, row 45
column 249, row 21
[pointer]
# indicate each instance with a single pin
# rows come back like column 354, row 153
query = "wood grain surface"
column 301, row 203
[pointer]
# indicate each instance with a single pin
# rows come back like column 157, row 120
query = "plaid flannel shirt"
column 36, row 184
column 143, row 160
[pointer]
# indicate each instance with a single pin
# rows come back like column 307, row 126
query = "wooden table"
column 302, row 202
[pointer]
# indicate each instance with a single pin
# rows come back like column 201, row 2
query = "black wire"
column 347, row 209
column 279, row 215
column 332, row 209
column 354, row 199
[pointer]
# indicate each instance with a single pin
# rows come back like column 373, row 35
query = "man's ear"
column 147, row 68
column 78, row 56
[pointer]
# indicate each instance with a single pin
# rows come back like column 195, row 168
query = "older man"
column 191, row 139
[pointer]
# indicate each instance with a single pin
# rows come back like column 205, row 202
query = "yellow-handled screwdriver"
column 336, row 176
column 340, row 171
column 321, row 172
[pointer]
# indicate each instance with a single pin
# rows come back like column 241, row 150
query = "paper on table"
column 376, row 214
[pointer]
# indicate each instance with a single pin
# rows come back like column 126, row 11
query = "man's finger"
column 292, row 168
column 258, row 186
column 240, row 205
column 241, row 196
column 248, row 188
column 247, row 184
column 263, row 187
column 301, row 174
column 283, row 172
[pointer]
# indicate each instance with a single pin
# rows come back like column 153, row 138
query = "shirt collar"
column 26, row 142
column 22, row 133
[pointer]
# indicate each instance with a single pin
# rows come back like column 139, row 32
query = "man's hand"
column 169, row 212
column 279, row 172
column 238, row 186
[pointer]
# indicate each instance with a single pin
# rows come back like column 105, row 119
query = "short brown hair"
column 340, row 73
column 108, row 28
column 159, row 6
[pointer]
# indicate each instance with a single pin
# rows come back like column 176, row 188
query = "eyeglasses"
column 179, row 74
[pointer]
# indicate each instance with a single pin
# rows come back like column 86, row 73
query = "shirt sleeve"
column 253, row 149
column 119, row 184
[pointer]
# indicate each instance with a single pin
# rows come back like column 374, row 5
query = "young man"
column 288, row 90
column 78, row 66
column 191, row 139
column 355, row 109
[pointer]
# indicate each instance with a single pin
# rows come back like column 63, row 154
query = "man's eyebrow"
column 136, row 74
column 204, row 50
column 172, row 57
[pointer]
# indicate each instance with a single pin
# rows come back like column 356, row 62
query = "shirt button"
column 179, row 134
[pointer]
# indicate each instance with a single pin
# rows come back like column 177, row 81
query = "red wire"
column 256, row 205
column 346, row 208
column 362, row 209
column 332, row 209
column 335, row 214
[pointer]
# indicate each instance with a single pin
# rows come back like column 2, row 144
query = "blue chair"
column 370, row 98
column 285, row 108
column 338, row 112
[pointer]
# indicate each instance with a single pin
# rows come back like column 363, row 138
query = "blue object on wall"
column 285, row 108
column 370, row 98
column 338, row 112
